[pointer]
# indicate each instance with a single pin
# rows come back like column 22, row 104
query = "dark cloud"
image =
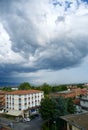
column 36, row 36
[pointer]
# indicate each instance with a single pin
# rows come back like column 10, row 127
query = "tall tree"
column 52, row 108
column 70, row 105
column 46, row 88
column 60, row 107
column 47, row 108
column 24, row 86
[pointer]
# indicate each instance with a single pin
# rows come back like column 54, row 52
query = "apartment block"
column 23, row 100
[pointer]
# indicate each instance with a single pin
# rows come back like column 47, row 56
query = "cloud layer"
column 37, row 35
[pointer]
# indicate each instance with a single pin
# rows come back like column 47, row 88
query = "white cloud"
column 6, row 53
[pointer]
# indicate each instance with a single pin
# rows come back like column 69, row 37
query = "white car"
column 26, row 119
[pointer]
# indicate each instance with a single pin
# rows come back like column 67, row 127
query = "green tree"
column 46, row 88
column 7, row 89
column 59, row 88
column 80, row 85
column 47, row 108
column 24, row 86
column 52, row 108
column 60, row 107
column 71, row 108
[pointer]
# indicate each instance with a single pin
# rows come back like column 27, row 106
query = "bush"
column 45, row 127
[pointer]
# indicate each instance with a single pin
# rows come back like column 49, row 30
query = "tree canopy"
column 46, row 88
column 54, row 107
column 24, row 86
column 47, row 108
column 70, row 105
column 7, row 89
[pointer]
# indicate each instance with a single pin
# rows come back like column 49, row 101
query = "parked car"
column 26, row 119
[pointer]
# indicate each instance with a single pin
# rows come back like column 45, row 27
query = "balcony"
column 84, row 99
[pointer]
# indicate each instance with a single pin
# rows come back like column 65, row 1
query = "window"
column 70, row 127
column 25, row 104
column 25, row 98
column 19, row 96
column 19, row 100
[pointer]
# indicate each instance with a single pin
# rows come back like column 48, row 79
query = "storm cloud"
column 42, row 35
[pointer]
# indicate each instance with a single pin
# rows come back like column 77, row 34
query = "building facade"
column 84, row 102
column 2, row 100
column 22, row 100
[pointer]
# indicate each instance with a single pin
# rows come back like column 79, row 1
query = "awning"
column 14, row 113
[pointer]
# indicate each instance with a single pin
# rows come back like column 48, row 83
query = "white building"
column 84, row 102
column 21, row 100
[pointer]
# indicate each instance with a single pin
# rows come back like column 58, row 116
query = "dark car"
column 35, row 116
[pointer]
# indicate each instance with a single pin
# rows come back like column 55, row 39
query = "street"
column 34, row 124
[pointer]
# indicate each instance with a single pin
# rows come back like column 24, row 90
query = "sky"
column 43, row 41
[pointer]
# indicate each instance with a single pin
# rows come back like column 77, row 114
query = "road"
column 34, row 124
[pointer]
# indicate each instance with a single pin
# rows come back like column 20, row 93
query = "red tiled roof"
column 21, row 92
column 2, row 92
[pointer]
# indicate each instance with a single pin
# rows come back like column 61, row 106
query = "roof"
column 2, row 92
column 21, row 92
column 78, row 120
column 65, row 92
column 14, row 113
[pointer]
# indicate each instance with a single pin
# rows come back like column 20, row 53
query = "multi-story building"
column 23, row 100
column 84, row 102
column 2, row 100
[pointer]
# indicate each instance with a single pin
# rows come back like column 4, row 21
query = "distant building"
column 74, row 92
column 77, row 91
column 14, row 88
column 23, row 101
column 76, row 122
column 65, row 94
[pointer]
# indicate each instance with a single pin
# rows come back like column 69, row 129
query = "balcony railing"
column 83, row 99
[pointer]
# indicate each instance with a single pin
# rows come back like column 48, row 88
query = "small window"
column 70, row 127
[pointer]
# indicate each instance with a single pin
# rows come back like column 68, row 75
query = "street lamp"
column 55, row 124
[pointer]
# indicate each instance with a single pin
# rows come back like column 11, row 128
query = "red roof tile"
column 22, row 92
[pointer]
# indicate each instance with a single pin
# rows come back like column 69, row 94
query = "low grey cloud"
column 38, row 35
